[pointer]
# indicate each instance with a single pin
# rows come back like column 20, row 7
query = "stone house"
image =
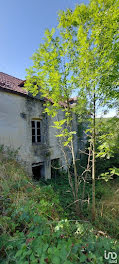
column 24, row 127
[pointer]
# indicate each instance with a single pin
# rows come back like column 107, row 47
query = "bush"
column 33, row 228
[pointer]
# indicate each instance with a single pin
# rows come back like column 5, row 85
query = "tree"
column 94, row 30
column 108, row 147
column 82, row 58
column 52, row 75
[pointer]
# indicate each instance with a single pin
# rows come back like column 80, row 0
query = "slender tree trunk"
column 86, row 174
column 71, row 184
column 68, row 166
column 76, row 181
column 93, row 161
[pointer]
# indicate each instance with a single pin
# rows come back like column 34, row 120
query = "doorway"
column 55, row 168
column 38, row 171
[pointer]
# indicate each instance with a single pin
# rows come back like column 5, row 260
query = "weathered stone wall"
column 16, row 114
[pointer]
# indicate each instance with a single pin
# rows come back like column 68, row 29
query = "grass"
column 107, row 203
column 35, row 225
column 108, row 207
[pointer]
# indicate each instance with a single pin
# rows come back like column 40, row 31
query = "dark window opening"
column 36, row 131
column 38, row 171
column 55, row 168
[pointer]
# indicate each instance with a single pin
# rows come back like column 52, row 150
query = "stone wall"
column 16, row 114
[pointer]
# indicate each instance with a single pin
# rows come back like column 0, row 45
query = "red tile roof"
column 14, row 84
column 11, row 83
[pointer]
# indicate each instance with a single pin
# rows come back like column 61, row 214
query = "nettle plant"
column 57, row 243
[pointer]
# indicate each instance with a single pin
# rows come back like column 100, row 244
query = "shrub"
column 33, row 228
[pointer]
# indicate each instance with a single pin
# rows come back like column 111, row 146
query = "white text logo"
column 111, row 256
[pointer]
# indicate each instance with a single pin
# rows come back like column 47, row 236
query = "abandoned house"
column 24, row 127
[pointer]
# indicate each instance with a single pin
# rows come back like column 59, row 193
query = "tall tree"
column 82, row 57
column 95, row 38
column 52, row 75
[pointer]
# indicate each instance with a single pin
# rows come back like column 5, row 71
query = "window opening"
column 38, row 171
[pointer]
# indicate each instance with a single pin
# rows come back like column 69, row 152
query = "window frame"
column 36, row 128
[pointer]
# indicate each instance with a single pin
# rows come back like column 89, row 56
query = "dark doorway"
column 55, row 168
column 38, row 171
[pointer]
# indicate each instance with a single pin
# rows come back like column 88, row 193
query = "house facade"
column 24, row 127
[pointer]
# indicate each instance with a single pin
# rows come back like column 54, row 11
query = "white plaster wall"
column 12, row 127
column 16, row 132
column 54, row 144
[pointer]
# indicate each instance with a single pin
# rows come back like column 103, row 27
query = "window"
column 36, row 131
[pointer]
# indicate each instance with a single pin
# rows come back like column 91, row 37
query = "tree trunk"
column 86, row 174
column 93, row 162
column 77, row 207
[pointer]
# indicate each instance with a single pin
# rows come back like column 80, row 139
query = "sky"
column 22, row 26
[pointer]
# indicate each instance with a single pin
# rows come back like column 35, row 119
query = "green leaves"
column 83, row 258
column 108, row 138
column 114, row 171
column 108, row 175
column 59, row 124
column 81, row 57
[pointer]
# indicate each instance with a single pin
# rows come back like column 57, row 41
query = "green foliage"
column 108, row 138
column 94, row 28
column 107, row 147
column 108, row 175
column 107, row 207
column 81, row 57
column 33, row 228
column 107, row 196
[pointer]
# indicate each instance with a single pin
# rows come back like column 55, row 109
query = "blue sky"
column 22, row 26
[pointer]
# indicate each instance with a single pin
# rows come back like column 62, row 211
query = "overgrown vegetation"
column 107, row 205
column 79, row 57
column 38, row 223
column 35, row 228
